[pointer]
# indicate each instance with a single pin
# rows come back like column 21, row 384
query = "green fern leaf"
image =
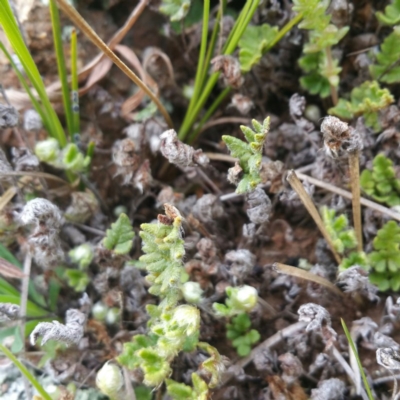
column 175, row 9
column 391, row 16
column 386, row 69
column 119, row 237
column 254, row 43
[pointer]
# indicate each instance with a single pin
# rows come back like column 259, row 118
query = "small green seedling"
column 246, row 174
column 119, row 237
column 242, row 337
column 385, row 259
column 381, row 183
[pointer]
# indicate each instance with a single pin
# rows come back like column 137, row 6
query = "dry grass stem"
column 7, row 196
column 97, row 41
column 354, row 167
column 346, row 194
column 301, row 273
column 221, row 157
column 298, row 187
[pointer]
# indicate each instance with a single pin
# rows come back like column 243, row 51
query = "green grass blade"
column 62, row 69
column 25, row 371
column 354, row 350
column 74, row 83
column 11, row 29
column 24, row 83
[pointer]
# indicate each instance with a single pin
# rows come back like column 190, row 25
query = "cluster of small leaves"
column 385, row 259
column 241, row 335
column 322, row 72
column 119, row 237
column 366, row 99
column 173, row 327
column 381, row 183
column 249, row 155
column 387, row 68
column 69, row 158
column 343, row 237
column 254, row 44
column 391, row 16
column 175, row 9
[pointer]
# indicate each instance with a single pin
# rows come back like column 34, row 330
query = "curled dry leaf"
column 70, row 333
column 9, row 311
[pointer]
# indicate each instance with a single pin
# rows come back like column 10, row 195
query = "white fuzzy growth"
column 192, row 292
column 109, row 380
column 179, row 153
column 41, row 211
column 315, row 315
column 187, row 318
column 70, row 333
column 388, row 358
column 247, row 296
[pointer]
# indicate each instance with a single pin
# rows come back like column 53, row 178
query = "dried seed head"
column 235, row 174
column 291, row 366
column 24, row 160
column 208, row 209
column 240, row 263
column 338, row 135
column 9, row 311
column 264, row 361
column 388, row 358
column 259, row 206
column 44, row 243
column 41, row 212
column 8, row 116
column 83, row 206
column 70, row 333
column 329, row 389
column 381, row 340
column 315, row 315
column 297, row 106
column 142, row 179
column 242, row 103
column 355, row 279
column 230, row 70
column 364, row 328
column 179, row 153
column 32, row 121
column 126, row 159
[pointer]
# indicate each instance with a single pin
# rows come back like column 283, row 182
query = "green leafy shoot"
column 391, row 16
column 355, row 258
column 354, row 350
column 254, row 43
column 119, row 237
column 180, row 391
column 385, row 259
column 62, row 69
column 175, row 9
column 366, row 99
column 387, row 68
column 76, row 279
column 242, row 337
column 343, row 237
column 46, row 110
column 322, row 71
column 249, row 155
column 381, row 183
column 314, row 81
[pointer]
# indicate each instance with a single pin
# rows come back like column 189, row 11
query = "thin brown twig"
column 303, row 274
column 346, row 194
column 298, row 187
column 289, row 331
column 98, row 42
column 225, row 120
column 354, row 168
